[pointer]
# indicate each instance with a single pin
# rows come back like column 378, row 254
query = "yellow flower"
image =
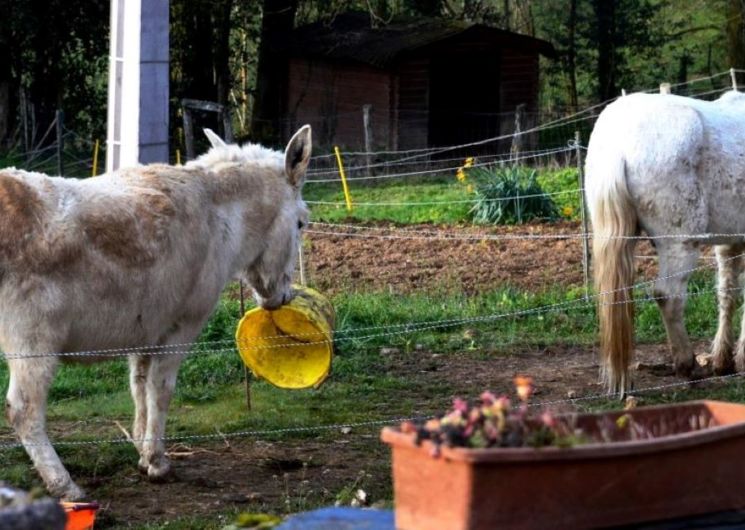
column 469, row 188
column 567, row 211
column 468, row 162
column 460, row 175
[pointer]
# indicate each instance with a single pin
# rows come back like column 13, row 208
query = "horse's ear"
column 297, row 155
column 215, row 140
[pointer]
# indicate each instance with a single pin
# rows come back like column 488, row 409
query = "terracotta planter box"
column 677, row 473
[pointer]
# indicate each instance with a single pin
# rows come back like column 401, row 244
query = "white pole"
column 138, row 83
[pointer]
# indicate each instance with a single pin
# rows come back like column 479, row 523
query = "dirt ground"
column 293, row 475
column 336, row 263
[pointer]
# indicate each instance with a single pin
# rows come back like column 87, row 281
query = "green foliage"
column 563, row 185
column 511, row 196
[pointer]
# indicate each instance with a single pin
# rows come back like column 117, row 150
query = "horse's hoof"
column 142, row 465
column 724, row 367
column 686, row 369
column 699, row 374
column 740, row 362
column 158, row 472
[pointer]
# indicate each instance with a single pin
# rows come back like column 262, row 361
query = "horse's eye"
column 300, row 225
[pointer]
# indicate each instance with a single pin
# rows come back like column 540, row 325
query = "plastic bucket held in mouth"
column 291, row 347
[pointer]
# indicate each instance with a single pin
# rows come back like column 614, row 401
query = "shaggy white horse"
column 137, row 257
column 668, row 166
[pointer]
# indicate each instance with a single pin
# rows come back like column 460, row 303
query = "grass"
column 437, row 192
column 209, row 383
column 438, row 189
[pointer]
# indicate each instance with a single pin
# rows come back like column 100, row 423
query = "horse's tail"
column 614, row 219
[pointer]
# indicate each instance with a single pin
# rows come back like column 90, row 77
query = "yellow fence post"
column 347, row 196
column 94, row 171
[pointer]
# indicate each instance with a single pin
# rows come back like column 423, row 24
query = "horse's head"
column 270, row 271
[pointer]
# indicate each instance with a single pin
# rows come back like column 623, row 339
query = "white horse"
column 670, row 166
column 137, row 257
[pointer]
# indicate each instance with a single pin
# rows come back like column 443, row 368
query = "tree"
column 605, row 17
column 278, row 21
column 736, row 33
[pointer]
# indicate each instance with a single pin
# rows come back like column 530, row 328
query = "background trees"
column 55, row 52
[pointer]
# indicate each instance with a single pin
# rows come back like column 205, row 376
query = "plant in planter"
column 492, row 464
column 495, row 422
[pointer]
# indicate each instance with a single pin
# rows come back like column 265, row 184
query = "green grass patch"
column 440, row 200
column 439, row 193
column 367, row 321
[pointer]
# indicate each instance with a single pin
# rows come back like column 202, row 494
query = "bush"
column 511, row 196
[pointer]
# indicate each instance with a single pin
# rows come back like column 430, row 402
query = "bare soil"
column 337, row 263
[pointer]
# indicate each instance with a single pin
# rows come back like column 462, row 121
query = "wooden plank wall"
column 330, row 98
column 519, row 85
column 413, row 104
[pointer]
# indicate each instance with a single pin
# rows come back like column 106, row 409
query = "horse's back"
column 683, row 160
column 106, row 262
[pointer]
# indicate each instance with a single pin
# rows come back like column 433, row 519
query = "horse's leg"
column 26, row 408
column 161, row 380
column 740, row 347
column 676, row 261
column 729, row 267
column 138, row 369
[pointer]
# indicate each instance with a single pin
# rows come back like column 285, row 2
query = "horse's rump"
column 673, row 168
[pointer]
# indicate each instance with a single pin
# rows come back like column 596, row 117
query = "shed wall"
column 330, row 98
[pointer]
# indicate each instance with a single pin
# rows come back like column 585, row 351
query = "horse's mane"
column 254, row 154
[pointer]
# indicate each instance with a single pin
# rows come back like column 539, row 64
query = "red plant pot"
column 676, row 473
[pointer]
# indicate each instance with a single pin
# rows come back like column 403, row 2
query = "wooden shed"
column 430, row 82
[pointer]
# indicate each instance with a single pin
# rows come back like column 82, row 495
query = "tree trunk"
column 222, row 50
column 197, row 59
column 605, row 16
column 5, row 100
column 736, row 34
column 271, row 76
column 572, row 55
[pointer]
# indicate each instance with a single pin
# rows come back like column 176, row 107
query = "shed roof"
column 349, row 37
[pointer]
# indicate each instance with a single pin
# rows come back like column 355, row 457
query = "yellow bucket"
column 291, row 347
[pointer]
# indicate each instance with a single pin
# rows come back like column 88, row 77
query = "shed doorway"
column 463, row 99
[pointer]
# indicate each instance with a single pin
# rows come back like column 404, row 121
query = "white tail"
column 613, row 218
